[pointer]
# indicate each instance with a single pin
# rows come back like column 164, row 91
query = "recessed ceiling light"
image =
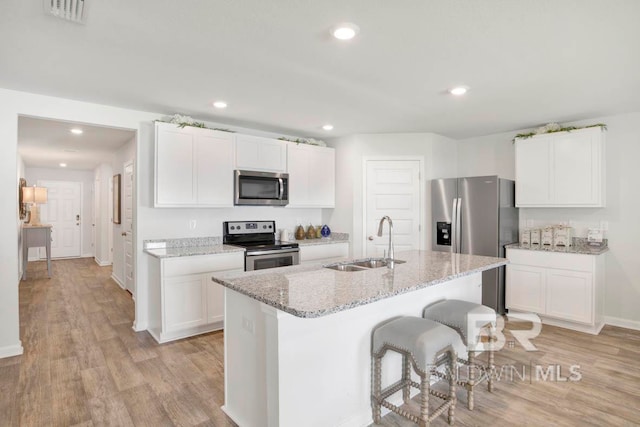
column 327, row 127
column 76, row 131
column 345, row 31
column 458, row 90
column 220, row 104
column 63, row 165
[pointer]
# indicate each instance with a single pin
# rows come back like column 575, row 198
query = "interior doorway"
column 393, row 187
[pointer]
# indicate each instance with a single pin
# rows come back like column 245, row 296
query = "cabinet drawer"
column 203, row 264
column 576, row 262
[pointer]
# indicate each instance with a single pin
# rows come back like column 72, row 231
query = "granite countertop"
column 190, row 246
column 333, row 238
column 313, row 291
column 580, row 246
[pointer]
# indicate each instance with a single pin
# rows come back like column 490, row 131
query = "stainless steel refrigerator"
column 476, row 215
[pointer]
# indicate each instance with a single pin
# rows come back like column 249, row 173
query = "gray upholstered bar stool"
column 425, row 345
column 468, row 319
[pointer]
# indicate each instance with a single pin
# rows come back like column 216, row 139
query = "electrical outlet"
column 192, row 224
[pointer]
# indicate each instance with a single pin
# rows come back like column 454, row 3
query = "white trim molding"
column 622, row 323
column 101, row 263
column 11, row 350
column 117, row 280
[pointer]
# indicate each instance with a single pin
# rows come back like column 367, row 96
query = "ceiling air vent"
column 69, row 10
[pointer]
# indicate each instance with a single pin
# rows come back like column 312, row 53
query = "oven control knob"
column 264, row 226
column 269, row 226
column 232, row 227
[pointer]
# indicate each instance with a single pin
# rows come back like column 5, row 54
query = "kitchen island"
column 298, row 339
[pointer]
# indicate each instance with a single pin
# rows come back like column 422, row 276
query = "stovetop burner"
column 257, row 235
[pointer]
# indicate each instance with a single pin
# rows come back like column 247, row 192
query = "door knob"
column 124, row 233
column 370, row 237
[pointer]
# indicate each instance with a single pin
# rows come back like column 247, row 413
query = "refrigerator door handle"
column 459, row 226
column 454, row 225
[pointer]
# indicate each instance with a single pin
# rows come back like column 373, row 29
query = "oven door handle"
column 281, row 182
column 275, row 251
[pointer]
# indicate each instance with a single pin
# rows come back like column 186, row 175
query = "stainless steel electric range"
column 262, row 248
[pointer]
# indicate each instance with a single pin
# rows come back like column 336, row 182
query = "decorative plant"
column 184, row 121
column 553, row 128
column 309, row 141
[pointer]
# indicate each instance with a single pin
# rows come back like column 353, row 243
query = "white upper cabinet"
column 564, row 169
column 255, row 153
column 194, row 167
column 312, row 176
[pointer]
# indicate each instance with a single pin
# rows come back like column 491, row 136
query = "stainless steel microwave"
column 261, row 188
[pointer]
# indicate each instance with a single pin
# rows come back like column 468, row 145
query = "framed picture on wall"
column 116, row 199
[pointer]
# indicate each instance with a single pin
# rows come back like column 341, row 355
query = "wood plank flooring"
column 83, row 365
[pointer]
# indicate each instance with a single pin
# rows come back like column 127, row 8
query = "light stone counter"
column 313, row 291
column 580, row 246
column 170, row 248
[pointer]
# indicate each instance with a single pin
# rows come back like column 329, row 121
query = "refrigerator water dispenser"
column 444, row 233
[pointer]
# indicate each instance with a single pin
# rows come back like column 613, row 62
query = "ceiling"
column 526, row 62
column 47, row 143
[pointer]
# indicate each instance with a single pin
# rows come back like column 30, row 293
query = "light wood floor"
column 83, row 365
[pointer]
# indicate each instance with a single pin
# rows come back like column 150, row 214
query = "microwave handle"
column 281, row 181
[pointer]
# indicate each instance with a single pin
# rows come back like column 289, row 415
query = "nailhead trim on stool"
column 425, row 345
column 467, row 319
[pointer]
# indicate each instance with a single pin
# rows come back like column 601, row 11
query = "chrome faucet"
column 390, row 254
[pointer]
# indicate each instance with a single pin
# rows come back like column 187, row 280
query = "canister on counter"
column 535, row 236
column 562, row 235
column 546, row 236
column 525, row 237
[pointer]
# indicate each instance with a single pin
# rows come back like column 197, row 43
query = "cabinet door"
column 315, row 253
column 260, row 154
column 174, row 184
column 311, row 176
column 570, row 295
column 185, row 302
column 533, row 157
column 214, row 169
column 576, row 168
column 525, row 288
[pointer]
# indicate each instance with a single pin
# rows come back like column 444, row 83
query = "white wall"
column 494, row 154
column 440, row 160
column 103, row 176
column 152, row 223
column 33, row 175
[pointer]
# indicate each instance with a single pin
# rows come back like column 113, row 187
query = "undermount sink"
column 361, row 265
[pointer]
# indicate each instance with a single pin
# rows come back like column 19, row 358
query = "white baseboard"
column 117, row 280
column 87, row 255
column 11, row 350
column 622, row 323
column 102, row 263
column 140, row 326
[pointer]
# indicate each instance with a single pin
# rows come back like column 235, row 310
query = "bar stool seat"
column 468, row 319
column 424, row 345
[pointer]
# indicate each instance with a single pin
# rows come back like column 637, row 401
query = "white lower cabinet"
column 565, row 290
column 183, row 299
column 324, row 252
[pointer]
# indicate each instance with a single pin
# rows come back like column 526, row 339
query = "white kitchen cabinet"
column 312, row 176
column 184, row 301
column 564, row 289
column 324, row 252
column 193, row 167
column 563, row 169
column 255, row 153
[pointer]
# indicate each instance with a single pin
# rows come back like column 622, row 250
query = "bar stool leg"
column 452, row 386
column 406, row 378
column 376, row 374
column 424, row 400
column 491, row 367
column 471, row 380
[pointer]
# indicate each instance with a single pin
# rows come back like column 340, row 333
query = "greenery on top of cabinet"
column 553, row 128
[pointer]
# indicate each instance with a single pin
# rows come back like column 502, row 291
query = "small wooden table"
column 35, row 237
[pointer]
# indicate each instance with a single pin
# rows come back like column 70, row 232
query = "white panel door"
column 127, row 226
column 570, row 295
column 533, row 182
column 525, row 288
column 392, row 187
column 62, row 211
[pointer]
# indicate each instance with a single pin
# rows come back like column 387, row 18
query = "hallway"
column 84, row 365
